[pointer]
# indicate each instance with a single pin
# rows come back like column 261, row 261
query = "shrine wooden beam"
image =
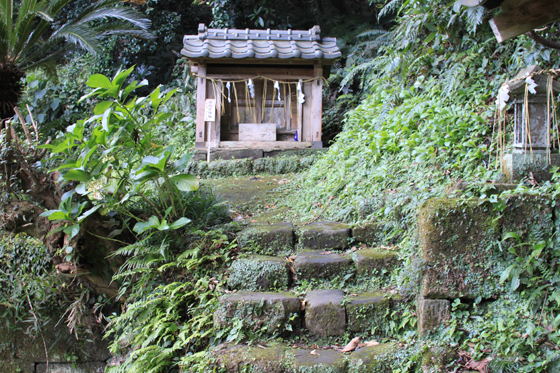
column 521, row 16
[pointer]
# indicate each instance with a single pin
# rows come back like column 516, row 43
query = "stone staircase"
column 262, row 296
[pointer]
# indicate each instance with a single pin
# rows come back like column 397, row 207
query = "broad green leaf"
column 430, row 37
column 72, row 230
column 77, row 175
column 512, row 235
column 179, row 223
column 101, row 107
column 140, row 227
column 88, row 212
column 99, row 81
column 515, row 282
column 54, row 215
column 185, row 182
column 505, row 274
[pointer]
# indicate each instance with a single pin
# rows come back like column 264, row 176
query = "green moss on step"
column 368, row 313
column 459, row 245
column 268, row 239
column 373, row 359
column 259, row 273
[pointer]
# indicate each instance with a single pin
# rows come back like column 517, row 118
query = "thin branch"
column 546, row 42
column 22, row 121
column 33, row 122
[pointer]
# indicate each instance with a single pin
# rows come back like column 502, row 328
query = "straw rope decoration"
column 251, row 104
column 527, row 121
column 500, row 117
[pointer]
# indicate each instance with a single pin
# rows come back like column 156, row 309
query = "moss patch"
column 266, row 312
column 373, row 234
column 311, row 265
column 458, row 240
column 370, row 261
column 249, row 358
column 259, row 273
column 270, row 239
column 373, row 359
column 323, row 235
column 367, row 313
column 530, row 217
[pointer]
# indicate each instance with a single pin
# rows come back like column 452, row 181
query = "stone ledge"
column 310, row 265
column 324, row 314
column 323, row 235
column 259, row 309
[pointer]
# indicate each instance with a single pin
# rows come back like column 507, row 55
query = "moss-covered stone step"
column 367, row 312
column 322, row 265
column 227, row 167
column 323, row 235
column 324, row 313
column 274, row 312
column 259, row 273
column 375, row 261
column 279, row 358
column 269, row 239
column 284, row 238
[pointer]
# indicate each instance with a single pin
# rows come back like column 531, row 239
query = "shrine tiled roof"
column 262, row 44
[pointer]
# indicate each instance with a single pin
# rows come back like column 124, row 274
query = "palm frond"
column 128, row 15
column 80, row 35
column 118, row 28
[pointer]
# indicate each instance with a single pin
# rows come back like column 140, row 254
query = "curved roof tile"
column 232, row 43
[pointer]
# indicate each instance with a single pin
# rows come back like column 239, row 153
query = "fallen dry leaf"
column 303, row 303
column 353, row 248
column 264, row 348
column 371, row 343
column 352, row 345
column 314, row 352
column 326, row 252
column 363, row 246
column 253, row 221
column 353, row 295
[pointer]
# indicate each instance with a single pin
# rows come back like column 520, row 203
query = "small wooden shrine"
column 259, row 88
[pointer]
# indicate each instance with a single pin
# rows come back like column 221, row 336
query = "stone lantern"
column 531, row 142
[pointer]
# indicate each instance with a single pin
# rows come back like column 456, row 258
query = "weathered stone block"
column 458, row 240
column 10, row 365
column 431, row 313
column 95, row 367
column 519, row 165
column 259, row 272
column 530, row 217
column 376, row 359
column 323, row 235
column 272, row 239
column 372, row 234
column 324, row 314
column 15, row 343
column 273, row 311
column 436, row 359
column 321, row 361
column 240, row 358
column 367, row 312
column 310, row 265
column 370, row 261
column 225, row 154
